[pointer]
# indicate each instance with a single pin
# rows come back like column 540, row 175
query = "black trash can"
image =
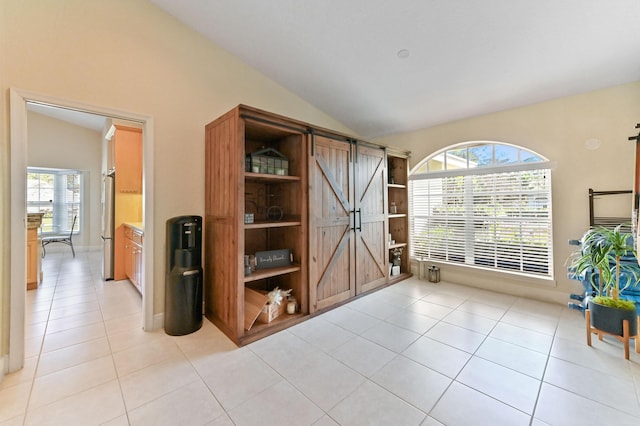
column 183, row 280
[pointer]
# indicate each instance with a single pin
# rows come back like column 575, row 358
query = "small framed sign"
column 273, row 258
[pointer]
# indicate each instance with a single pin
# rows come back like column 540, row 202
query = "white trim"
column 18, row 233
column 158, row 321
column 550, row 165
column 18, row 263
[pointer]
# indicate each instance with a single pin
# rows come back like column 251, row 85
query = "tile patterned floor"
column 412, row 354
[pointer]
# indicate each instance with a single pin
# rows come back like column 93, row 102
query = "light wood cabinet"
column 330, row 208
column 33, row 258
column 133, row 256
column 127, row 149
column 34, row 251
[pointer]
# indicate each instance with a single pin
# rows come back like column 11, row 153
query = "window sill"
column 484, row 274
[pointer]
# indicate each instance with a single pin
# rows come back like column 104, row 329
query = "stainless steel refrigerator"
column 108, row 213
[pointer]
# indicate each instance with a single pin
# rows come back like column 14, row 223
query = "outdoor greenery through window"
column 486, row 204
column 57, row 194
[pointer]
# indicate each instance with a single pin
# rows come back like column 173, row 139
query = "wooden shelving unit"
column 277, row 205
column 326, row 202
column 397, row 193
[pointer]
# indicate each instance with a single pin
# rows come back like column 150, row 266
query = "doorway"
column 19, row 101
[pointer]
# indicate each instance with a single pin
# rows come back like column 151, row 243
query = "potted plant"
column 601, row 251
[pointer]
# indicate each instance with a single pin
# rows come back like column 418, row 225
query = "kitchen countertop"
column 34, row 220
column 138, row 226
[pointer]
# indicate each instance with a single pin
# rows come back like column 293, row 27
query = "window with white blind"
column 57, row 194
column 485, row 204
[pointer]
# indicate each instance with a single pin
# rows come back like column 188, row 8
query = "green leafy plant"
column 602, row 249
column 626, row 305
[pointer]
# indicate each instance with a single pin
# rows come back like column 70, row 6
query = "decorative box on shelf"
column 271, row 311
column 267, row 161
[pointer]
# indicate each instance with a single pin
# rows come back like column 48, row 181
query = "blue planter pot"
column 610, row 320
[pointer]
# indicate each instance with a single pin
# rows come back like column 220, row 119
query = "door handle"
column 359, row 228
column 352, row 227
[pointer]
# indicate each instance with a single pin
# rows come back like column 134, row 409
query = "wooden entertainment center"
column 274, row 183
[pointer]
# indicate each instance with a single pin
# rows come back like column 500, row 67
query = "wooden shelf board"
column 397, row 215
column 268, row 177
column 271, row 272
column 397, row 278
column 260, row 330
column 396, row 245
column 279, row 224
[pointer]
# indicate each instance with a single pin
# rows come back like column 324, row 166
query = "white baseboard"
column 158, row 321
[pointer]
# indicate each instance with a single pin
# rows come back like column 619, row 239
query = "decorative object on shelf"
column 392, row 180
column 275, row 306
column 273, row 258
column 267, row 161
column 393, row 209
column 291, row 305
column 275, row 213
column 247, row 265
column 434, row 274
column 249, row 218
column 277, row 295
column 396, row 253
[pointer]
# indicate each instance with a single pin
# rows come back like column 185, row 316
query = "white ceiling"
column 466, row 57
column 78, row 118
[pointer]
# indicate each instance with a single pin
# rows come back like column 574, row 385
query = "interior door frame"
column 18, row 100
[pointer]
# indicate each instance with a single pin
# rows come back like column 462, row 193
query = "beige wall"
column 57, row 144
column 129, row 55
column 557, row 130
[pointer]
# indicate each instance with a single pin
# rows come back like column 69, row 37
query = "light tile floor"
column 414, row 353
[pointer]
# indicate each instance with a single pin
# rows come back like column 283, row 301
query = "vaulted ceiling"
column 383, row 67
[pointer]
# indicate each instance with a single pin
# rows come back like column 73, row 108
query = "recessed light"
column 403, row 53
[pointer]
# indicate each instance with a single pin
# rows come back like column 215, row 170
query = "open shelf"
column 261, row 274
column 397, row 215
column 396, row 185
column 270, row 178
column 279, row 224
column 397, row 245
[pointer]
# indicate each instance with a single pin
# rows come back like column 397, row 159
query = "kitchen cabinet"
column 133, row 256
column 34, row 251
column 126, row 144
column 127, row 148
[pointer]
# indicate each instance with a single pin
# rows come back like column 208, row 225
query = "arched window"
column 485, row 204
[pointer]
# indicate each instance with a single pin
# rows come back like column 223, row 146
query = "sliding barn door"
column 371, row 226
column 331, row 222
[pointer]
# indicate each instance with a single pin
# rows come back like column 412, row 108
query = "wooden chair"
column 60, row 239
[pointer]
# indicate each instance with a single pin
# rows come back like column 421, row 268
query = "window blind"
column 499, row 220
